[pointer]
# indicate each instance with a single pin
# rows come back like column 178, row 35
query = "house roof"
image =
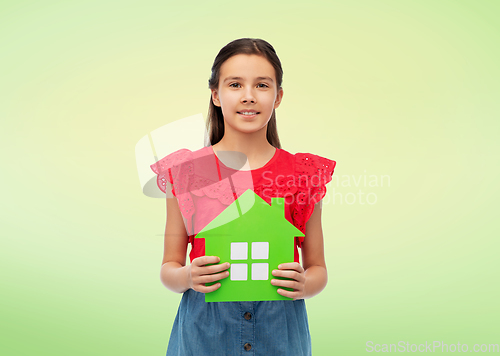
column 252, row 215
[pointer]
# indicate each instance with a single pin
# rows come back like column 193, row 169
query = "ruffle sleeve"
column 177, row 168
column 163, row 168
column 312, row 174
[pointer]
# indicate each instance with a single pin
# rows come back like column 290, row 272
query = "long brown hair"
column 215, row 119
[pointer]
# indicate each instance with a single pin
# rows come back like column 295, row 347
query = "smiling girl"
column 245, row 92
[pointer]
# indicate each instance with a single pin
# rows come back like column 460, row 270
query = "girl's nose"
column 248, row 96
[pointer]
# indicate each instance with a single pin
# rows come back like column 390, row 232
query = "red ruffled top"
column 204, row 187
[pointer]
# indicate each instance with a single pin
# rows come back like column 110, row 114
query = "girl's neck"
column 253, row 145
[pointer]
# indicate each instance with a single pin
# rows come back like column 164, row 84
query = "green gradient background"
column 404, row 89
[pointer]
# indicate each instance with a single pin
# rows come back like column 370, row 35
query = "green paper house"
column 254, row 237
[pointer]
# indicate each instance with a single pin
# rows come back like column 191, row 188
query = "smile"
column 248, row 113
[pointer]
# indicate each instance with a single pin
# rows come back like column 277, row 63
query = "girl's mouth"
column 246, row 114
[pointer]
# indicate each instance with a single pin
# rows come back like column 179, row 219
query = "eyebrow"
column 240, row 78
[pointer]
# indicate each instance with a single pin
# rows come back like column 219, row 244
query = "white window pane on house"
column 238, row 272
column 239, row 250
column 260, row 271
column 260, row 250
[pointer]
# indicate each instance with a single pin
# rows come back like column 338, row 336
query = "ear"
column 215, row 97
column 279, row 97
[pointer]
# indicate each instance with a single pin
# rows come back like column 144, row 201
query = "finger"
column 203, row 260
column 212, row 277
column 292, row 265
column 286, row 283
column 214, row 268
column 292, row 295
column 206, row 289
column 288, row 274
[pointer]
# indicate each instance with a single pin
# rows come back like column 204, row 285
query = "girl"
column 245, row 91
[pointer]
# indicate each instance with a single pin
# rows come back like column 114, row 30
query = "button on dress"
column 204, row 187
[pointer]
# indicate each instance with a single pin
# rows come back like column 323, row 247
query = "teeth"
column 248, row 113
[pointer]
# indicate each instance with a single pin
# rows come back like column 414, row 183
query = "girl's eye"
column 234, row 85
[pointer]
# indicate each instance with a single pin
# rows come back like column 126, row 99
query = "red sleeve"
column 312, row 174
column 169, row 168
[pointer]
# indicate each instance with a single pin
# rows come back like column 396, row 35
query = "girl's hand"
column 199, row 274
column 294, row 271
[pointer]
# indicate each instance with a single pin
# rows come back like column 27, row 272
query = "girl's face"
column 247, row 84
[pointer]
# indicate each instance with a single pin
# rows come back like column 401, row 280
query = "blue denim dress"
column 266, row 328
